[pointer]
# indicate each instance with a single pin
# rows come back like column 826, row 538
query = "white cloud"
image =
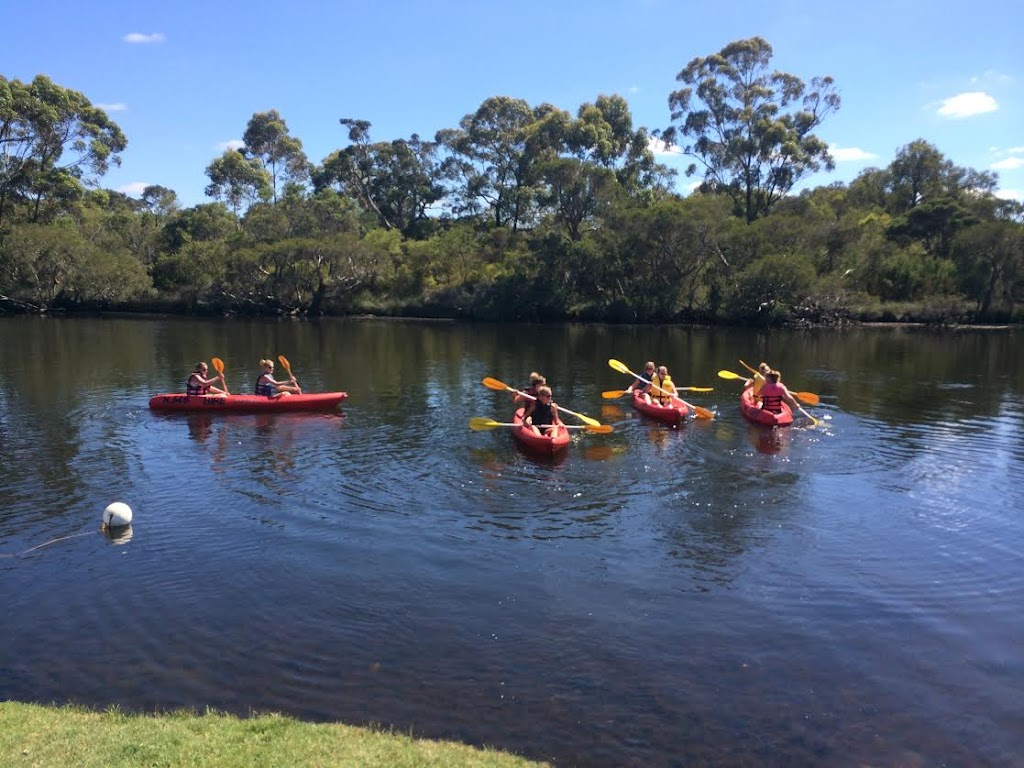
column 967, row 104
column 848, row 154
column 116, row 107
column 135, row 188
column 142, row 37
column 1015, row 150
column 230, row 144
column 659, row 147
column 1009, row 164
column 1011, row 194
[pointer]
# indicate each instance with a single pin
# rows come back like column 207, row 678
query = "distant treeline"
column 519, row 212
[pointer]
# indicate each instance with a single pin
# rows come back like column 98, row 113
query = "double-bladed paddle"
column 479, row 424
column 704, row 413
column 612, row 394
column 501, row 386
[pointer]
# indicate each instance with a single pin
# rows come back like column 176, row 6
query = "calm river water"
column 717, row 594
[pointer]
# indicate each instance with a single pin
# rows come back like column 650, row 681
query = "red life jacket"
column 772, row 396
column 196, row 388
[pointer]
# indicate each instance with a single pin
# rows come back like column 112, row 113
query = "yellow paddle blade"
column 612, row 394
column 218, row 365
column 807, row 397
column 479, row 424
column 286, row 364
column 696, row 389
column 730, row 375
column 600, row 429
column 585, row 419
column 620, row 367
column 496, row 385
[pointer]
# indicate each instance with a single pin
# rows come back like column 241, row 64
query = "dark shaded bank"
column 925, row 315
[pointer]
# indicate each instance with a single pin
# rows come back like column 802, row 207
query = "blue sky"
column 182, row 79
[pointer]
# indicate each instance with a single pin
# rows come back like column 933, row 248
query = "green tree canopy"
column 748, row 126
column 267, row 139
column 238, row 180
column 495, row 155
column 396, row 181
column 52, row 141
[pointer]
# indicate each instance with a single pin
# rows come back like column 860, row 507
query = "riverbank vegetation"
column 72, row 736
column 517, row 212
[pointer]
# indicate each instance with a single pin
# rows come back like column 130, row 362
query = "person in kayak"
column 268, row 387
column 774, row 392
column 639, row 385
column 759, row 378
column 198, row 384
column 541, row 415
column 663, row 390
column 536, row 381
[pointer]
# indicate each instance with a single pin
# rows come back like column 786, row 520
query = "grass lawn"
column 33, row 735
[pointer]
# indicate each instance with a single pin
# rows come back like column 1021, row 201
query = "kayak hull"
column 540, row 445
column 749, row 408
column 667, row 414
column 319, row 401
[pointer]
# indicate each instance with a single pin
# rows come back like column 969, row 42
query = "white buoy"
column 117, row 514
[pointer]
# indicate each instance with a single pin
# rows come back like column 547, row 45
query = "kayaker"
column 639, row 385
column 663, row 389
column 542, row 413
column 774, row 392
column 198, row 384
column 536, row 381
column 268, row 387
column 759, row 378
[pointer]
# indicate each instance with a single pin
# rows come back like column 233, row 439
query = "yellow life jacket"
column 758, row 383
column 665, row 384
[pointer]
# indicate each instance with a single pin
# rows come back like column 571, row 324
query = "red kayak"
column 750, row 408
column 320, row 401
column 672, row 413
column 547, row 445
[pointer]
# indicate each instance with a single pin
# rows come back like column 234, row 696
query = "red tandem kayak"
column 320, row 401
column 668, row 414
column 539, row 444
column 750, row 409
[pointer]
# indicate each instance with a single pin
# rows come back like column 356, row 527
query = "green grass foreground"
column 33, row 735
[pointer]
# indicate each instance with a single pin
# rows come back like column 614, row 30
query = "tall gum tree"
column 749, row 127
column 396, row 181
column 238, row 180
column 52, row 141
column 267, row 139
column 495, row 157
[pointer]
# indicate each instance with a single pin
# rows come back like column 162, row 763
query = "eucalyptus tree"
column 267, row 139
column 749, row 127
column 238, row 180
column 53, row 142
column 603, row 134
column 990, row 262
column 200, row 223
column 495, row 156
column 601, row 157
column 576, row 192
column 397, row 181
column 920, row 173
column 159, row 201
column 67, row 262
